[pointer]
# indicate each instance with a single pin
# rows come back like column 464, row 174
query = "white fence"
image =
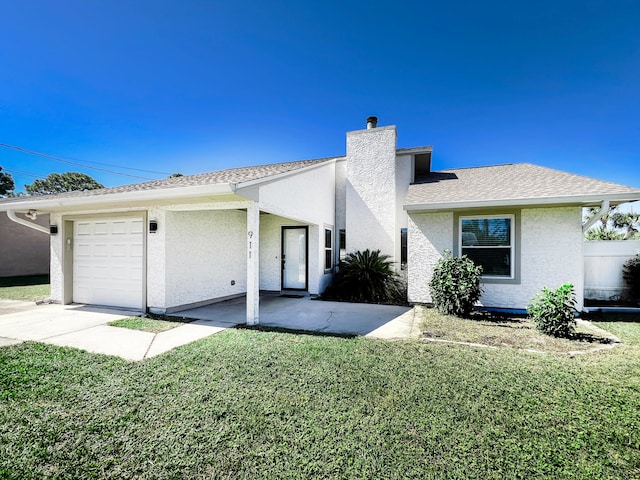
column 603, row 262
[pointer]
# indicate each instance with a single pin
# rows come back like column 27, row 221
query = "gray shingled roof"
column 520, row 181
column 229, row 176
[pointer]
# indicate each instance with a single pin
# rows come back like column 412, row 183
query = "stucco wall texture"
column 307, row 197
column 56, row 250
column 428, row 235
column 23, row 250
column 551, row 255
column 205, row 252
column 371, row 190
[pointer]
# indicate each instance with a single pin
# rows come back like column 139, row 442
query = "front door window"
column 294, row 258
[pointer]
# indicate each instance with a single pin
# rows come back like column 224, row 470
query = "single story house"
column 176, row 243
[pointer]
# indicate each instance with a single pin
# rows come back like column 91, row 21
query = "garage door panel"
column 136, row 227
column 100, row 228
column 120, row 250
column 119, row 228
column 82, row 228
column 135, row 250
column 108, row 262
column 82, row 250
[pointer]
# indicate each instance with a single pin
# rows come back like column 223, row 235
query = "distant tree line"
column 53, row 183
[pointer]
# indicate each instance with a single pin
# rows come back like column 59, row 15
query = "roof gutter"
column 138, row 196
column 12, row 216
column 604, row 208
column 581, row 200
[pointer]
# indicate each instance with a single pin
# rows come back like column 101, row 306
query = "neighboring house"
column 173, row 244
column 23, row 250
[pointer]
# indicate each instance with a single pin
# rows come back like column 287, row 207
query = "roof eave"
column 278, row 176
column 414, row 150
column 575, row 200
column 140, row 196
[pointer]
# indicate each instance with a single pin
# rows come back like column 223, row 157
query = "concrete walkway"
column 85, row 328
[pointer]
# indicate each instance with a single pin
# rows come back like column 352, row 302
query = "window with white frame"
column 488, row 240
column 328, row 249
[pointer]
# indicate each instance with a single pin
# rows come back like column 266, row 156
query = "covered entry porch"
column 305, row 313
column 206, row 254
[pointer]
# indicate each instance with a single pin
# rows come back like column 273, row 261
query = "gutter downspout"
column 604, row 208
column 12, row 216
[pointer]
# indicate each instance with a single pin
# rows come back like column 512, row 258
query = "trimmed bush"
column 455, row 285
column 631, row 275
column 554, row 311
column 367, row 277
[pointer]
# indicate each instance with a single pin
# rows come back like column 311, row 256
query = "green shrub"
column 553, row 311
column 631, row 275
column 368, row 277
column 455, row 285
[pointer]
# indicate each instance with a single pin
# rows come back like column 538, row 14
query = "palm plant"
column 628, row 221
column 600, row 233
column 366, row 276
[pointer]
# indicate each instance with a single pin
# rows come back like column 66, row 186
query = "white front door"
column 108, row 261
column 294, row 258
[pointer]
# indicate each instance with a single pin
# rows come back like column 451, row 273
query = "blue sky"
column 191, row 86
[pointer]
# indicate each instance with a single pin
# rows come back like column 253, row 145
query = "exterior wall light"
column 153, row 226
column 53, row 229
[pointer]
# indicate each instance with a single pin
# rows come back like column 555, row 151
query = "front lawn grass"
column 504, row 331
column 153, row 323
column 253, row 404
column 27, row 288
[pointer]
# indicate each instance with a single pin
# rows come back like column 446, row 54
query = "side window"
column 489, row 241
column 343, row 244
column 403, row 248
column 328, row 249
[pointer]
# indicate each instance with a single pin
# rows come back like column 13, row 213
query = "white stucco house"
column 173, row 244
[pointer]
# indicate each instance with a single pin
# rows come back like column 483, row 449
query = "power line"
column 21, row 172
column 58, row 159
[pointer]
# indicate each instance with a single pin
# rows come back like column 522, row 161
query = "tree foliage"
column 7, row 184
column 629, row 222
column 614, row 225
column 62, row 182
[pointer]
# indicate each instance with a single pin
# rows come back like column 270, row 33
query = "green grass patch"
column 151, row 323
column 27, row 288
column 249, row 404
column 503, row 331
column 623, row 325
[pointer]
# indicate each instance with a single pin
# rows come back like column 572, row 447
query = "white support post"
column 253, row 264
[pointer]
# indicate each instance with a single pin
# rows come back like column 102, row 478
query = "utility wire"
column 21, row 172
column 57, row 159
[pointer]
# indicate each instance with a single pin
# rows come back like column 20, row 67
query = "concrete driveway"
column 85, row 327
column 381, row 321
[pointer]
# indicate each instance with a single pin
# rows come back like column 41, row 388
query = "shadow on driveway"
column 305, row 314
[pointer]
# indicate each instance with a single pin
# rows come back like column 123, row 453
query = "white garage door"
column 107, row 262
